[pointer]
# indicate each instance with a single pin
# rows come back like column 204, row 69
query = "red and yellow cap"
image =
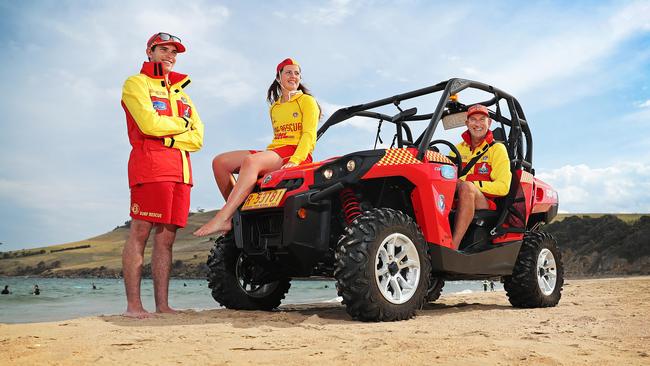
column 285, row 62
column 165, row 38
column 478, row 108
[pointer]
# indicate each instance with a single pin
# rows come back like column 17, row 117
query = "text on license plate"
column 263, row 199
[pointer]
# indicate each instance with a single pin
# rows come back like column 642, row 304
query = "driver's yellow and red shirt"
column 163, row 126
column 491, row 174
column 294, row 123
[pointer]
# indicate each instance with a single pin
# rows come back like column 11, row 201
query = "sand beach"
column 598, row 322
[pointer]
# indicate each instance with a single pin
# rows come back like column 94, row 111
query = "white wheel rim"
column 397, row 268
column 546, row 271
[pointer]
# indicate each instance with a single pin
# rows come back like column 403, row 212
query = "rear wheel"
column 382, row 266
column 538, row 275
column 435, row 288
column 239, row 282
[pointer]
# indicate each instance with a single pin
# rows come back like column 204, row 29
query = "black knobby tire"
column 538, row 275
column 232, row 288
column 357, row 274
column 435, row 288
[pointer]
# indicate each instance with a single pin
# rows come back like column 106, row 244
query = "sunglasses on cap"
column 164, row 37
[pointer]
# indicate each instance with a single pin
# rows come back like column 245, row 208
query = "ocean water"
column 68, row 298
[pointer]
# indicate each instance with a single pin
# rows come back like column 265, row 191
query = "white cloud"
column 622, row 188
column 645, row 104
column 335, row 12
column 60, row 209
column 390, row 76
column 567, row 52
column 470, row 71
column 229, row 88
column 362, row 123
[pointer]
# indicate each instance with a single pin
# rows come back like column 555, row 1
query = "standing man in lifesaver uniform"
column 163, row 128
column 489, row 176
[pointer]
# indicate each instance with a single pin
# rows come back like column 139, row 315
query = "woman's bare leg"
column 224, row 165
column 253, row 165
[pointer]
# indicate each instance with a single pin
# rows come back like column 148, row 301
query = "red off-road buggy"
column 379, row 221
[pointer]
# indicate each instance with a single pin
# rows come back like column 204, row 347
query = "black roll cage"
column 519, row 130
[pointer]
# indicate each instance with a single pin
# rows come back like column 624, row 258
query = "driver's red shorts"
column 161, row 202
column 285, row 152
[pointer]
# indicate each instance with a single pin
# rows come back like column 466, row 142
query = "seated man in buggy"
column 486, row 170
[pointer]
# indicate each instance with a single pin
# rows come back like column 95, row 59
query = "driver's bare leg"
column 253, row 165
column 470, row 199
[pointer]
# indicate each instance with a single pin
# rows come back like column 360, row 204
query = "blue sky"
column 580, row 69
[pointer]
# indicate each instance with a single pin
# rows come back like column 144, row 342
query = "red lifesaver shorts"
column 285, row 152
column 161, row 202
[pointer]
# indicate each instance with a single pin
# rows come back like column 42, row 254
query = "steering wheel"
column 458, row 160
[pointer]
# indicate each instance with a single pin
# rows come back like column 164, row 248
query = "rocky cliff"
column 603, row 246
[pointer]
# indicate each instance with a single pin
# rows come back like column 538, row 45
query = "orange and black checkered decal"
column 436, row 157
column 397, row 157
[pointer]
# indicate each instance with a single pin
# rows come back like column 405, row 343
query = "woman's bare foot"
column 215, row 225
column 138, row 314
column 166, row 310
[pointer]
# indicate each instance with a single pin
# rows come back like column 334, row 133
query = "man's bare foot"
column 166, row 310
column 215, row 225
column 138, row 314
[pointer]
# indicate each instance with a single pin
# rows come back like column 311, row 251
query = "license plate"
column 264, row 199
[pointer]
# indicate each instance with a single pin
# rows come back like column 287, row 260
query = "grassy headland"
column 592, row 244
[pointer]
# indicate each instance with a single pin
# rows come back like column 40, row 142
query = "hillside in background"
column 592, row 245
column 604, row 245
column 101, row 256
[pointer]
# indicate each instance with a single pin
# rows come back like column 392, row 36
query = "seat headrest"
column 499, row 134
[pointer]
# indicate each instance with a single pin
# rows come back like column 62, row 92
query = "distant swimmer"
column 5, row 291
column 94, row 287
column 36, row 290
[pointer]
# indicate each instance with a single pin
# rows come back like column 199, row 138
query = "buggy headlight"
column 350, row 165
column 448, row 172
column 347, row 169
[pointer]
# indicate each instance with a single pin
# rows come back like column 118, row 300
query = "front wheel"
column 538, row 275
column 382, row 266
column 239, row 282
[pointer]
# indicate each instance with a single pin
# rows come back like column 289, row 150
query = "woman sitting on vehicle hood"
column 294, row 116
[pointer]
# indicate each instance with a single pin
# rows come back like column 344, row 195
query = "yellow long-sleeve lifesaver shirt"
column 491, row 173
column 163, row 126
column 294, row 123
